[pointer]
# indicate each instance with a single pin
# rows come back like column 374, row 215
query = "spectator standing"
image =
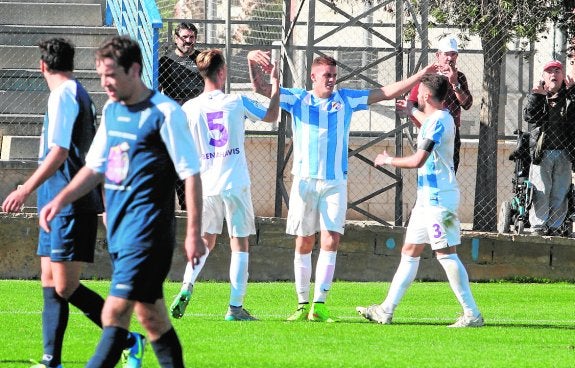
column 458, row 96
column 217, row 123
column 321, row 120
column 179, row 77
column 550, row 115
column 142, row 143
column 434, row 217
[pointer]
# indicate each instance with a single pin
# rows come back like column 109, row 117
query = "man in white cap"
column 458, row 95
column 550, row 115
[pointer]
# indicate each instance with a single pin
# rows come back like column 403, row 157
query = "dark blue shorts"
column 139, row 273
column 72, row 238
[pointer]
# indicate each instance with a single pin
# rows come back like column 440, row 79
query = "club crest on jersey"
column 118, row 163
column 336, row 105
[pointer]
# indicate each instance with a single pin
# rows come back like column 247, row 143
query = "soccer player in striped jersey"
column 217, row 121
column 434, row 217
column 142, row 144
column 321, row 120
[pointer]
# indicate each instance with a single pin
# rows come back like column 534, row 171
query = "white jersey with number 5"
column 217, row 122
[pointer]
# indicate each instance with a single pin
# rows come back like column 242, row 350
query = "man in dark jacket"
column 551, row 119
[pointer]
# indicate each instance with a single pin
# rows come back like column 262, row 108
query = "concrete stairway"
column 23, row 91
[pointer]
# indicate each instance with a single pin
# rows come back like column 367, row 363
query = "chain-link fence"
column 375, row 44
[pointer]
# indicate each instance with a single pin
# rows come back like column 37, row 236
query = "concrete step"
column 34, row 102
column 19, row 148
column 21, row 124
column 32, row 80
column 28, row 57
column 61, row 14
column 81, row 36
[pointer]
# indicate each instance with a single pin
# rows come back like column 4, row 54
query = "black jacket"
column 553, row 117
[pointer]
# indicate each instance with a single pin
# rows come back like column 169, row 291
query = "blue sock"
column 169, row 350
column 54, row 322
column 88, row 302
column 110, row 347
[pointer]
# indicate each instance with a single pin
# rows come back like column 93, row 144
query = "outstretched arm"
column 274, row 106
column 396, row 89
column 409, row 162
column 259, row 63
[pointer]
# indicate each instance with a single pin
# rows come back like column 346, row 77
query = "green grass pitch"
column 527, row 325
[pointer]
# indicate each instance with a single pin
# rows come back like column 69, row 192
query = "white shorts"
column 433, row 225
column 235, row 206
column 316, row 205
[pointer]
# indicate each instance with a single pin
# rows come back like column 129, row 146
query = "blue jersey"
column 436, row 182
column 141, row 149
column 321, row 130
column 70, row 123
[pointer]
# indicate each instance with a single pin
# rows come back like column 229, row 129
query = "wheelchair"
column 514, row 213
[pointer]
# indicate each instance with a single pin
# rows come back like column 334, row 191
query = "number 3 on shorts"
column 437, row 231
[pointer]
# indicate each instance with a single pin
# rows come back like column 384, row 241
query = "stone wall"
column 369, row 252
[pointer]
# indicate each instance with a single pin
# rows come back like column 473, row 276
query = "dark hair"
column 186, row 25
column 123, row 50
column 58, row 54
column 324, row 60
column 437, row 85
column 209, row 62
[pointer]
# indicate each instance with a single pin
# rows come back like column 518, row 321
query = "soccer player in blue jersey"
column 68, row 130
column 142, row 144
column 321, row 120
column 434, row 217
column 217, row 123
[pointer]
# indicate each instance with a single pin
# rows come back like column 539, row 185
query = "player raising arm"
column 217, row 122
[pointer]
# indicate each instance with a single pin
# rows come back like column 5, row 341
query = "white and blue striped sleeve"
column 253, row 110
column 356, row 98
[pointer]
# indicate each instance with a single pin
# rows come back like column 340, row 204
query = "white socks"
column 404, row 276
column 459, row 282
column 191, row 274
column 325, row 268
column 238, row 277
column 302, row 273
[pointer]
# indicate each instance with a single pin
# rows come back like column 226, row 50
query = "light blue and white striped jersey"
column 217, row 123
column 436, row 182
column 321, row 130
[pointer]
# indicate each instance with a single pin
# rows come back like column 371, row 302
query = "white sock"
column 324, row 270
column 459, row 282
column 238, row 277
column 191, row 274
column 404, row 276
column 302, row 273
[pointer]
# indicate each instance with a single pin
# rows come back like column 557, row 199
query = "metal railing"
column 141, row 20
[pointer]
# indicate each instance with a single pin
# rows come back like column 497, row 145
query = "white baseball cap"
column 447, row 44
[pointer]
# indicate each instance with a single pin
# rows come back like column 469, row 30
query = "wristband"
column 413, row 110
column 387, row 160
